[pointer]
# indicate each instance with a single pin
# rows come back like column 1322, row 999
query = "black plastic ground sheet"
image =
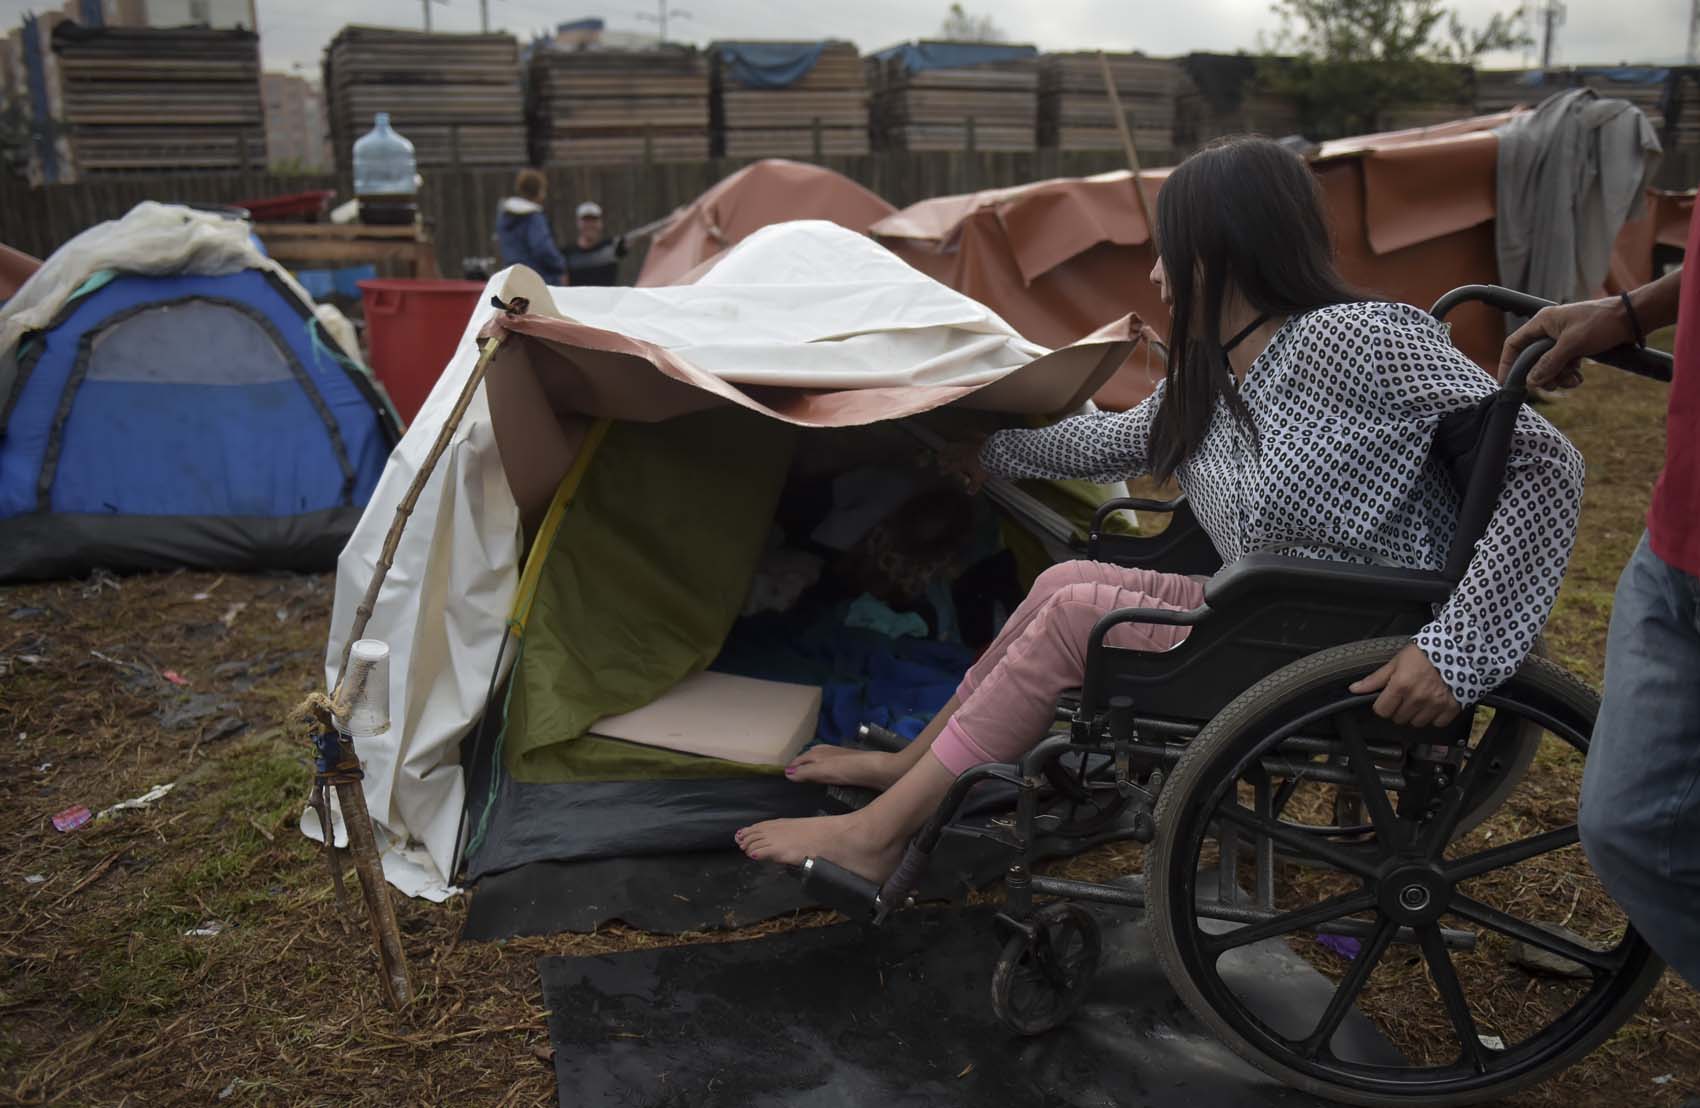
column 846, row 1016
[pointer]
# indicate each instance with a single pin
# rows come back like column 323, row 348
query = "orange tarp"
column 767, row 192
column 1411, row 212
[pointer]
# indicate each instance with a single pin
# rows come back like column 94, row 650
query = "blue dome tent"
column 184, row 420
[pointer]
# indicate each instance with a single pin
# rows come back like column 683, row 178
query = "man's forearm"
column 1656, row 301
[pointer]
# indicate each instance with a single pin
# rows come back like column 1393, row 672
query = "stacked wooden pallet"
column 826, row 110
column 1652, row 95
column 988, row 106
column 144, row 98
column 1682, row 127
column 456, row 97
column 1075, row 111
column 590, row 106
column 1499, row 90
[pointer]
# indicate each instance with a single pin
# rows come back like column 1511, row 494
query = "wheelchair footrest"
column 851, row 797
column 837, row 888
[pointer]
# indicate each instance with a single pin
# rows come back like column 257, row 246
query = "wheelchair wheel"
column 1040, row 979
column 1453, row 964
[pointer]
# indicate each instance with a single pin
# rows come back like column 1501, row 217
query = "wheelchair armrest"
column 1257, row 573
column 1135, row 503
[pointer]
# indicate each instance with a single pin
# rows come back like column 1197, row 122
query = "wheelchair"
column 1277, row 808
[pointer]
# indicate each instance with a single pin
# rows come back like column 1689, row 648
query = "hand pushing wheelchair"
column 1278, row 808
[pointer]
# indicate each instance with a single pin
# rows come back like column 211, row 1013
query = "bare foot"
column 839, row 839
column 835, row 765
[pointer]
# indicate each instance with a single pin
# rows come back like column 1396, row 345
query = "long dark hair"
column 1242, row 213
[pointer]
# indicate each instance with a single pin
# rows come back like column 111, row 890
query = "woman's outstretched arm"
column 1097, row 446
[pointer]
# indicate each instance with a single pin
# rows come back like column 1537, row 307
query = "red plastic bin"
column 412, row 329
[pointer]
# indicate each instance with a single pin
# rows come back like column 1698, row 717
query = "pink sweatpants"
column 1008, row 698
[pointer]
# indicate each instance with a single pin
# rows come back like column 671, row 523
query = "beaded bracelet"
column 1634, row 320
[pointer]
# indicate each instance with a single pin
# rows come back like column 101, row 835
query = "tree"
column 1352, row 60
column 959, row 26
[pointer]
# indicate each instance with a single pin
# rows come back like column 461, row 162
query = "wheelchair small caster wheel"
column 1042, row 975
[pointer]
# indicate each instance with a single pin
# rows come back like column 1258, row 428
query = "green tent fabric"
column 645, row 576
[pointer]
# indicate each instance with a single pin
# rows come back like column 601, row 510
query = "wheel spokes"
column 1296, row 838
column 1346, row 994
column 1510, row 854
column 1331, row 909
column 1389, row 831
column 1463, row 793
column 1452, row 994
column 1495, row 920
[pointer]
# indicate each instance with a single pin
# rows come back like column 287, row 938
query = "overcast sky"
column 295, row 31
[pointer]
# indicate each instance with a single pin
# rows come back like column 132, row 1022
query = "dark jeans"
column 1641, row 789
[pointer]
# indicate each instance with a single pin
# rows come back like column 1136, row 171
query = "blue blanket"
column 865, row 677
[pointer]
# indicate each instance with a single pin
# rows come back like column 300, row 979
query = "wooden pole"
column 339, row 765
column 1127, row 141
column 392, row 541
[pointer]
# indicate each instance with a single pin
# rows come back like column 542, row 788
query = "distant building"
column 296, row 133
column 221, row 14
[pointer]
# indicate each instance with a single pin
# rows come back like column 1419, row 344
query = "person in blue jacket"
column 523, row 232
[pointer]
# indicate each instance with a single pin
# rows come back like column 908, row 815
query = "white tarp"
column 796, row 304
column 154, row 240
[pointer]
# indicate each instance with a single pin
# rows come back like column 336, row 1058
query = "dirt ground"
column 190, row 952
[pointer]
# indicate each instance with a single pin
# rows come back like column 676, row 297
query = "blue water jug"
column 383, row 162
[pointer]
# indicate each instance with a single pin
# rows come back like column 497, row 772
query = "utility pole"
column 484, row 16
column 662, row 14
column 426, row 4
column 1552, row 18
column 1693, row 32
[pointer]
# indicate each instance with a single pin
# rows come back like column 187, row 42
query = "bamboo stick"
column 1127, row 142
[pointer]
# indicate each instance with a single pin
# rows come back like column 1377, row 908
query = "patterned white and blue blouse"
column 1345, row 400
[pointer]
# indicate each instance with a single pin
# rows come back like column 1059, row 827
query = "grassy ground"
column 113, row 992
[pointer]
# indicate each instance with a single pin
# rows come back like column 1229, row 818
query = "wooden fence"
column 461, row 205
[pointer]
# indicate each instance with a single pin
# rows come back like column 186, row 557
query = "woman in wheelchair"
column 1297, row 417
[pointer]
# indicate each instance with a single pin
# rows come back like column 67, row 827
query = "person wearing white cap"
column 593, row 258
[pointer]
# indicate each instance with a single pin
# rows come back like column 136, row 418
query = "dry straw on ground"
column 104, row 998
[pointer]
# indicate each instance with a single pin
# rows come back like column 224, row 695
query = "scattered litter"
column 1533, row 958
column 225, row 1093
column 966, row 1070
column 1492, row 1042
column 544, row 1054
column 143, row 801
column 1663, row 1079
column 209, row 591
column 31, row 659
column 1343, row 945
column 21, row 614
column 283, row 615
column 174, row 677
column 34, row 879
column 230, row 613
column 206, row 930
column 72, row 818
column 99, row 581
column 44, row 767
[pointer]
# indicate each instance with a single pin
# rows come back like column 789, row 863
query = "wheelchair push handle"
column 1638, row 360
